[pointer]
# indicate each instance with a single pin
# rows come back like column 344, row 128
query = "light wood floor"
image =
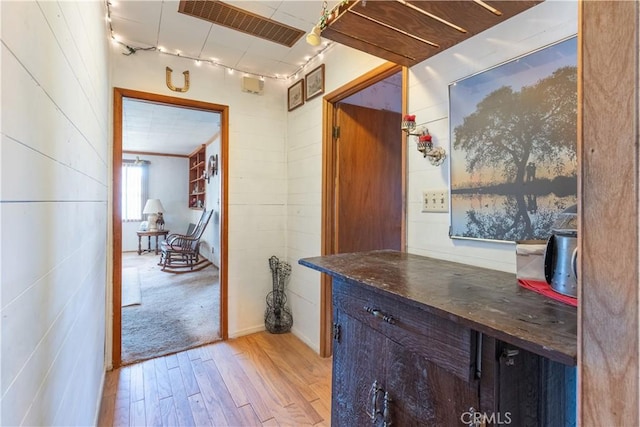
column 256, row 380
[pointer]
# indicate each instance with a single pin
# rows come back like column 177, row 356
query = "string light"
column 130, row 50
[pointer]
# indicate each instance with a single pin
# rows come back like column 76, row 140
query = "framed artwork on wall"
column 513, row 146
column 314, row 82
column 296, row 95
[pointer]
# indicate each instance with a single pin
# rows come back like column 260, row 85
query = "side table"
column 149, row 234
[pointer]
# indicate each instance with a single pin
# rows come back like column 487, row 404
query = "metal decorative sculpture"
column 178, row 89
column 277, row 317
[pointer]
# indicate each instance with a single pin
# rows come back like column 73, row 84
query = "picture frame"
column 295, row 95
column 513, row 156
column 314, row 82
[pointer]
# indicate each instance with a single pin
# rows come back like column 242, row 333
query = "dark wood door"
column 372, row 372
column 358, row 373
column 423, row 393
column 368, row 179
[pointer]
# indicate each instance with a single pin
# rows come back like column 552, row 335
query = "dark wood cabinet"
column 197, row 188
column 435, row 353
column 397, row 365
column 393, row 364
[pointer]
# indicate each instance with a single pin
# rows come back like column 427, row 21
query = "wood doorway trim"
column 328, row 188
column 223, row 110
column 609, row 200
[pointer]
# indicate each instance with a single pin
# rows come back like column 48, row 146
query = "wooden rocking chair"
column 180, row 253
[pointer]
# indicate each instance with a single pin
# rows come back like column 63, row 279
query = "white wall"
column 169, row 182
column 384, row 95
column 429, row 82
column 257, row 176
column 304, row 189
column 211, row 248
column 427, row 234
column 54, row 190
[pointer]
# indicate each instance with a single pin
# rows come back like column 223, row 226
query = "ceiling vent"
column 251, row 85
column 238, row 19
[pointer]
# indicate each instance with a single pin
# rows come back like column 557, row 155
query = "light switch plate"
column 435, row 201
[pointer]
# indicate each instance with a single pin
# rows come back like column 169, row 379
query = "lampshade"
column 313, row 38
column 153, row 206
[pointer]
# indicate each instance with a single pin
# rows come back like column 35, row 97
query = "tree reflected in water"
column 518, row 218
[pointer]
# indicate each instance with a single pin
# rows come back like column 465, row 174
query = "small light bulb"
column 230, row 70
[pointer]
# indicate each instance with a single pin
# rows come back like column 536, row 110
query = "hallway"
column 255, row 380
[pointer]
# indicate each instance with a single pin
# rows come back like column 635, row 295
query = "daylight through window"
column 134, row 185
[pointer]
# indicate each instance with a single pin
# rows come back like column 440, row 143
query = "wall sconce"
column 436, row 155
column 212, row 167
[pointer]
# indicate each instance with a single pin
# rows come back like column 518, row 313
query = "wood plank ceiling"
column 408, row 32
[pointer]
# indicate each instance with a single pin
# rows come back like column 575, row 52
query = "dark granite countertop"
column 485, row 300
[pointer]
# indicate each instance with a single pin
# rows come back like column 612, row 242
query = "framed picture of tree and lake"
column 513, row 146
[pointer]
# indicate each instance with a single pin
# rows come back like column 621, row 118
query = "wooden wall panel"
column 608, row 233
column 53, row 211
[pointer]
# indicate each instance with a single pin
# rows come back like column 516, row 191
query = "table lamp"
column 153, row 207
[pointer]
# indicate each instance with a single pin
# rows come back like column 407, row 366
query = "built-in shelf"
column 197, row 182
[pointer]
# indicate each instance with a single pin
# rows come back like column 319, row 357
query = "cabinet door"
column 369, row 367
column 422, row 393
column 358, row 367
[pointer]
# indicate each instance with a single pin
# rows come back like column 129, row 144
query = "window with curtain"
column 134, row 189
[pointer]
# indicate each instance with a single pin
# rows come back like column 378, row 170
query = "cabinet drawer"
column 439, row 340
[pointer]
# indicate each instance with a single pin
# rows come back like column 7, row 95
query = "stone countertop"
column 485, row 300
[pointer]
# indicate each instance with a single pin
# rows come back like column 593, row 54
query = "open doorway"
column 364, row 165
column 172, row 312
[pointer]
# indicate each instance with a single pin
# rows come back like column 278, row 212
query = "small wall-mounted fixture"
column 436, row 155
column 174, row 88
column 212, row 167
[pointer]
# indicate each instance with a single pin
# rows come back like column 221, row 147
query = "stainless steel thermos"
column 561, row 254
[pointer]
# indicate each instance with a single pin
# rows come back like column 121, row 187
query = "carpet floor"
column 177, row 311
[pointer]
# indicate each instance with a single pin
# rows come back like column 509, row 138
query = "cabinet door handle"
column 373, row 412
column 380, row 315
column 386, row 413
